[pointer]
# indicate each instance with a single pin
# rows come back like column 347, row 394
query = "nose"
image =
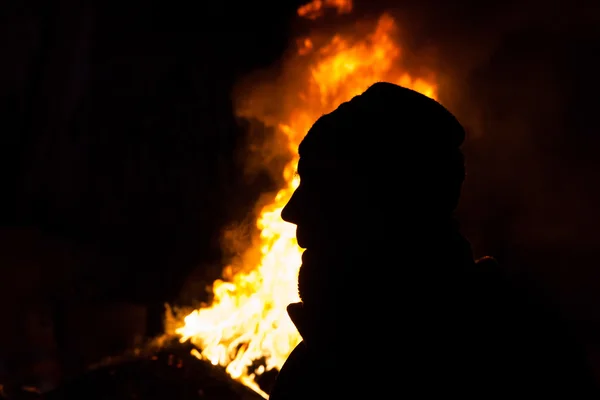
column 290, row 211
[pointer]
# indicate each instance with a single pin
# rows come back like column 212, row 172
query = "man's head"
column 387, row 161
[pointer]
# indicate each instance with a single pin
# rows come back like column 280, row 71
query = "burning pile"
column 247, row 322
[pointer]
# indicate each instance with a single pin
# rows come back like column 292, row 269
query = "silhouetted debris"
column 169, row 373
column 8, row 392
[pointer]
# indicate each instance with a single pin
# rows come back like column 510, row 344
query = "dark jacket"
column 473, row 335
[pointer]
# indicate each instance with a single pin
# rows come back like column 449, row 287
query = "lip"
column 305, row 256
column 300, row 239
column 301, row 244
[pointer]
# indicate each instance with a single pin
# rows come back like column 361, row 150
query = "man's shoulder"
column 508, row 288
column 488, row 267
column 529, row 310
column 290, row 378
column 492, row 281
column 534, row 328
column 487, row 262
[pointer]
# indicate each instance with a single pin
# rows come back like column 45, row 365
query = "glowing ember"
column 247, row 320
column 315, row 8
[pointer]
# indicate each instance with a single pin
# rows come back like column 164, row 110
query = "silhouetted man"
column 393, row 304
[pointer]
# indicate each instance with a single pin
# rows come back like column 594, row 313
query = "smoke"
column 522, row 78
column 511, row 72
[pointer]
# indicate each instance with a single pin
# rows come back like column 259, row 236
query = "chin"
column 310, row 276
column 317, row 274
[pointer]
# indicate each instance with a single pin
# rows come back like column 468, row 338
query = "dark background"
column 122, row 160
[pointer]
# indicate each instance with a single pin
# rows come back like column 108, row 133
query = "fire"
column 247, row 320
column 315, row 8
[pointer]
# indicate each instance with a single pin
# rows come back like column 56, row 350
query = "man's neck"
column 392, row 273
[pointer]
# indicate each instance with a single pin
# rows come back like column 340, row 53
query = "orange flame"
column 315, row 8
column 247, row 319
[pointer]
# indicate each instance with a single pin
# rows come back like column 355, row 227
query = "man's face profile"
column 384, row 164
column 323, row 211
column 320, row 207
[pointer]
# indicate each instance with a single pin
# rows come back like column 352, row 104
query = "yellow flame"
column 247, row 320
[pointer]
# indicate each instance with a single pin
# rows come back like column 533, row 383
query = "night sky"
column 122, row 160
